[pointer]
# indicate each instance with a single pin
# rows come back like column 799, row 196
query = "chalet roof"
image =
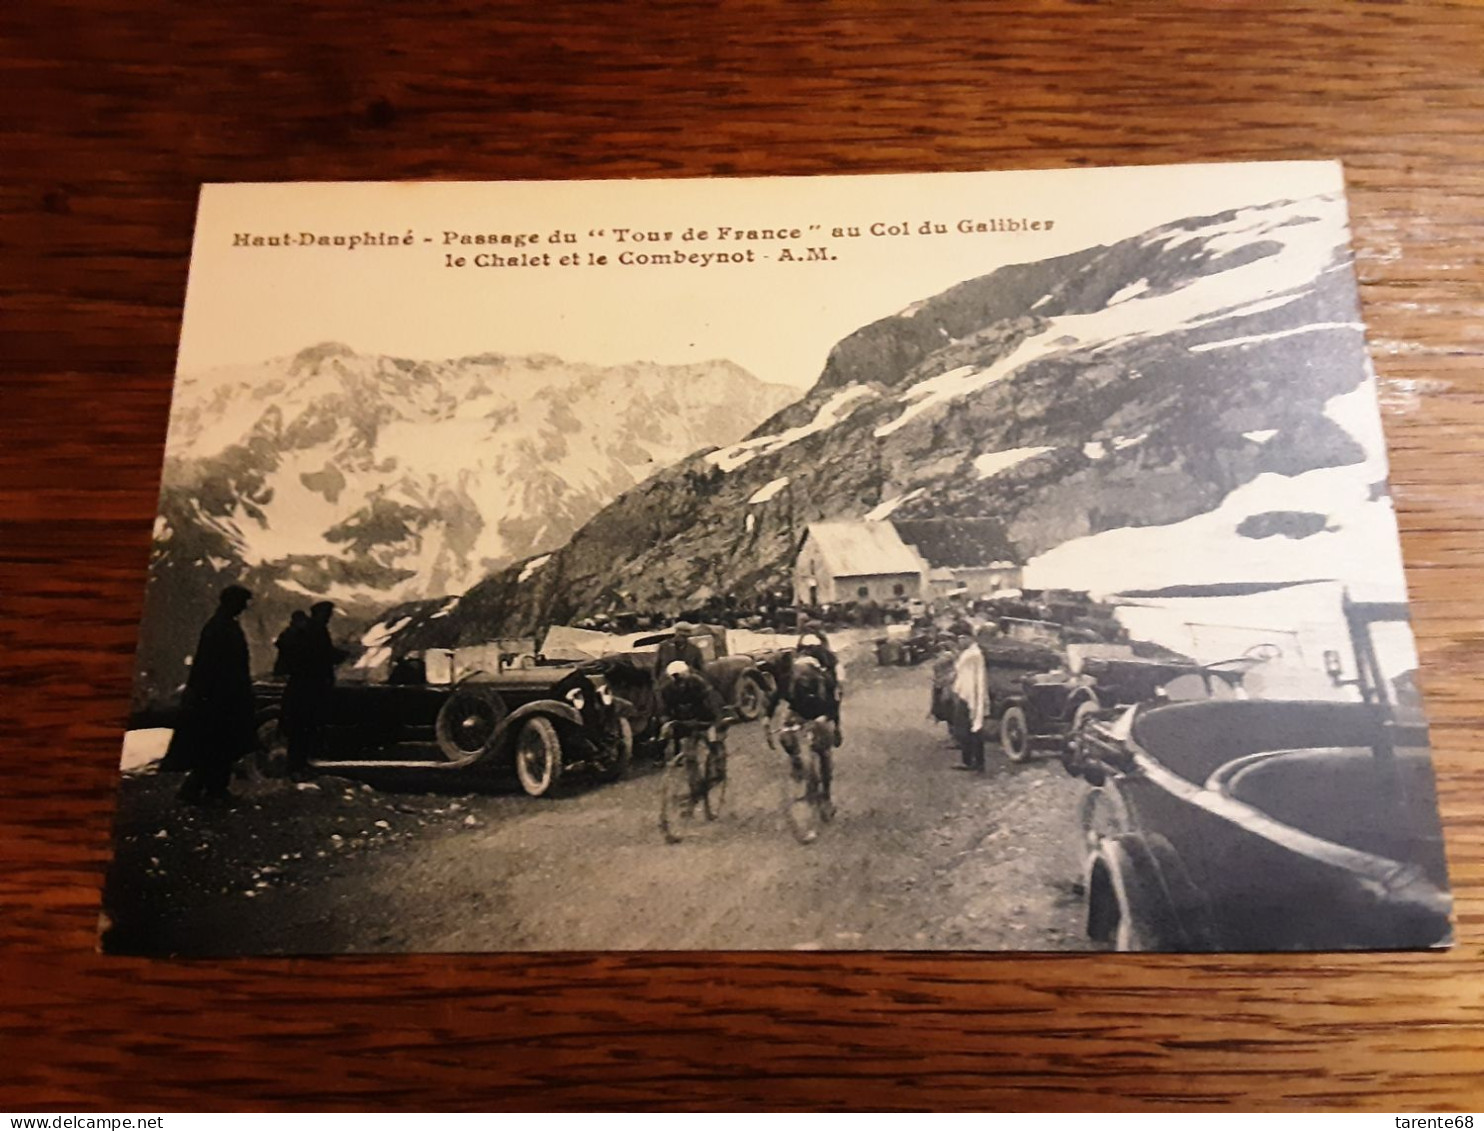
column 862, row 549
column 959, row 543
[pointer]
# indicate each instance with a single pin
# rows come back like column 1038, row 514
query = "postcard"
column 963, row 561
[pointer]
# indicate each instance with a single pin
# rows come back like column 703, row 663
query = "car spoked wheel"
column 468, row 722
column 1015, row 735
column 751, row 695
column 538, row 756
column 1086, row 711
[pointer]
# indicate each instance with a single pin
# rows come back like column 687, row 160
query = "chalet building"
column 971, row 556
column 893, row 561
column 855, row 561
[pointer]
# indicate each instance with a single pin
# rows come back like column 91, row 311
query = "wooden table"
column 110, row 116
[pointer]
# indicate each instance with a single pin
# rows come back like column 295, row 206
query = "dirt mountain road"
column 920, row 856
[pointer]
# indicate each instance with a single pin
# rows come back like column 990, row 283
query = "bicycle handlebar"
column 795, row 724
column 692, row 726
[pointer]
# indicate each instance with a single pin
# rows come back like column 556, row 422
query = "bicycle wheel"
column 678, row 786
column 823, row 736
column 715, row 787
column 803, row 795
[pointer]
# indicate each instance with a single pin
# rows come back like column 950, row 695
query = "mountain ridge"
column 1132, row 384
column 373, row 480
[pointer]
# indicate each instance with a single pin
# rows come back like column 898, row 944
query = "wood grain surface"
column 112, row 113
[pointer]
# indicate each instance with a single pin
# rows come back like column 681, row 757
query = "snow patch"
column 1306, row 234
column 883, row 510
column 1206, row 347
column 379, row 634
column 1133, row 290
column 1261, row 435
column 304, row 591
column 531, row 567
column 1262, row 306
column 832, row 412
column 1359, row 549
column 960, row 382
column 1359, row 413
column 992, row 463
column 1095, row 449
column 374, row 657
column 763, row 494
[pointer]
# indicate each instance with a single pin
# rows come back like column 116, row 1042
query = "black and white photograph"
column 942, row 562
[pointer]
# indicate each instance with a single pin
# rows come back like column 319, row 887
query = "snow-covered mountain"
column 376, row 480
column 382, row 478
column 1211, row 367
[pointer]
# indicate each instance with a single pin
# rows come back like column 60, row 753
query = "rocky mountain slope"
column 1132, row 385
column 377, row 480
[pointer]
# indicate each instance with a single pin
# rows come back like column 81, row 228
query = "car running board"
column 370, row 764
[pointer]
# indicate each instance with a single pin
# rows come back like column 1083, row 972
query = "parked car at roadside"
column 905, row 644
column 542, row 725
column 748, row 682
column 1220, row 823
column 1051, row 707
column 1008, row 662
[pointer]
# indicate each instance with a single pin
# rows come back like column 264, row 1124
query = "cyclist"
column 814, row 645
column 813, row 642
column 686, row 696
column 811, row 694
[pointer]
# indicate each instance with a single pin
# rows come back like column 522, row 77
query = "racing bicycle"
column 806, row 788
column 695, row 775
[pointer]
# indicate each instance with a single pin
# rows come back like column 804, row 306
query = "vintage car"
column 905, row 645
column 1052, row 706
column 1008, row 662
column 748, row 682
column 542, row 724
column 1222, row 823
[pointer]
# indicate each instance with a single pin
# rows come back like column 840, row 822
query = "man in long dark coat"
column 285, row 644
column 310, row 658
column 217, row 716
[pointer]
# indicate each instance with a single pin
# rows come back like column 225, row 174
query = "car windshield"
column 1193, row 686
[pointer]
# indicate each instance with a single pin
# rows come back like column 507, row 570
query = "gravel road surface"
column 921, row 856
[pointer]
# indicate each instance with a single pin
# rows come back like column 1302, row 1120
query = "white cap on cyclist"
column 806, row 662
column 676, row 667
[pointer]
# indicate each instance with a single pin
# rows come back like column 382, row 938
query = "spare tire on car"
column 468, row 722
column 751, row 698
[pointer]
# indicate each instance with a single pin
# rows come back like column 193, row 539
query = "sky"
column 246, row 304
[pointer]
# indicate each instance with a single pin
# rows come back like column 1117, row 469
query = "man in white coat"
column 971, row 706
